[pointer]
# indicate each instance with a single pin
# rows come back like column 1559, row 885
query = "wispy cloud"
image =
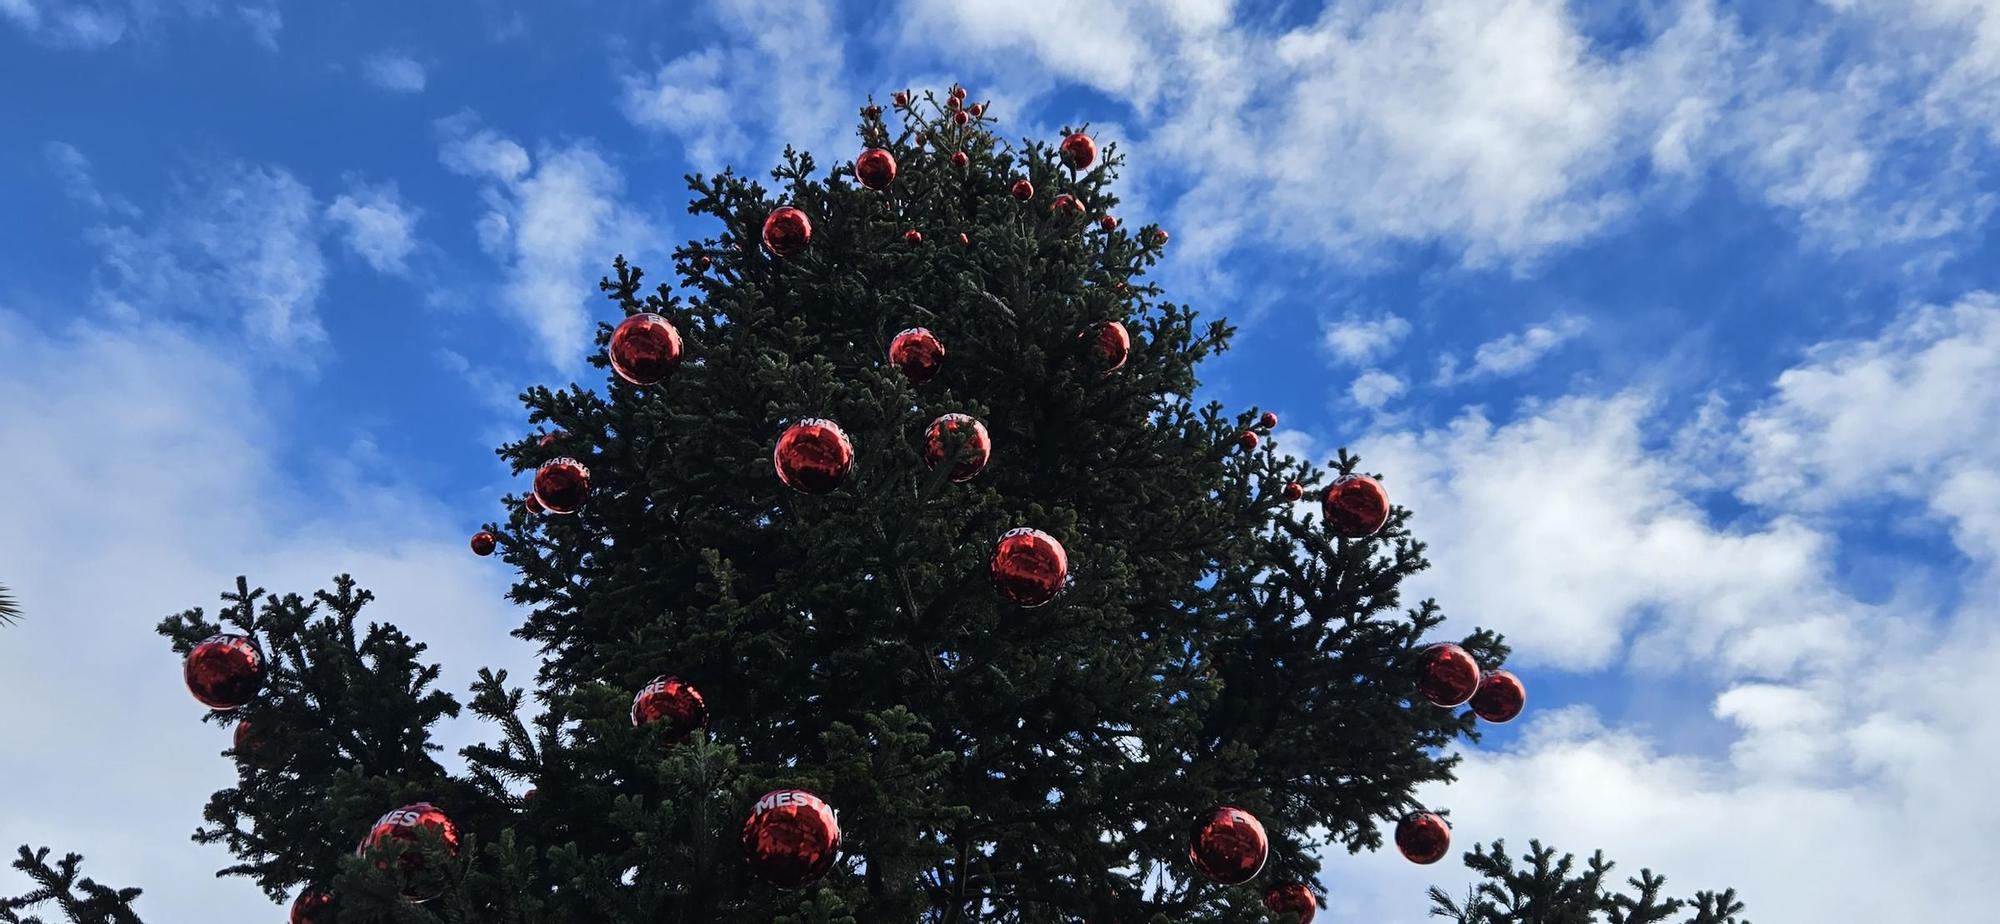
column 1374, row 388
column 73, row 172
column 1512, row 353
column 395, row 71
column 1363, row 340
column 377, row 224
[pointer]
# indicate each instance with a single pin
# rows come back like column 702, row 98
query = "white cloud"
column 555, row 221
column 395, row 72
column 1513, row 353
column 1361, row 341
column 264, row 23
column 72, row 171
column 1374, row 388
column 22, row 12
column 379, row 225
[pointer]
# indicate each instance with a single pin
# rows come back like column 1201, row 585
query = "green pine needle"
column 10, row 612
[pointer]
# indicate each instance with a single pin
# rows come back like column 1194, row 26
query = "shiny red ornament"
column 549, row 439
column 672, row 703
column 1500, row 696
column 645, row 349
column 1029, row 567
column 813, row 456
column 1355, row 506
column 913, row 236
column 918, row 139
column 1294, row 491
column 1247, row 440
column 901, row 99
column 530, row 794
column 483, row 543
column 791, row 838
column 1022, row 190
column 532, row 505
column 1446, row 675
column 1423, row 837
column 1292, row 897
column 1066, row 206
column 1079, row 151
column 1268, row 421
column 960, row 117
column 954, row 100
column 957, row 92
column 313, row 907
column 562, row 485
column 249, row 745
column 875, row 168
column 977, row 109
column 958, row 159
column 1228, row 845
column 1107, row 345
column 1108, row 223
column 225, row 671
column 963, row 240
column 419, row 882
column 702, row 262
column 787, row 232
column 918, row 354
column 1159, row 237
column 972, row 455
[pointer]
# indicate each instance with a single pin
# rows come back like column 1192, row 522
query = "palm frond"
column 10, row 612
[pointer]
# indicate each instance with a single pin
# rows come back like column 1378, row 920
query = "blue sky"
column 1671, row 321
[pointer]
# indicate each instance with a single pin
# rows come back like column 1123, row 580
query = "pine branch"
column 10, row 611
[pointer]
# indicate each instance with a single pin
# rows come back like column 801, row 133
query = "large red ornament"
column 312, row 907
column 408, row 824
column 1500, row 696
column 1029, row 566
column 918, row 354
column 483, row 543
column 813, row 456
column 645, row 349
column 562, row 485
column 1446, row 675
column 972, row 456
column 1065, row 206
column 791, row 838
column 1078, row 151
column 1247, row 440
column 1293, row 897
column 1022, row 190
column 1355, row 506
column 225, row 671
column 1269, row 420
column 960, row 117
column 787, row 232
column 672, row 703
column 1228, row 845
column 1107, row 345
column 875, row 168
column 1423, row 837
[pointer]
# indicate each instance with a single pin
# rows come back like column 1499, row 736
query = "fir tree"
column 990, row 762
column 1551, row 890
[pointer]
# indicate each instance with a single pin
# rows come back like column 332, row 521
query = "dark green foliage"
column 1551, row 890
column 10, row 611
column 80, row 899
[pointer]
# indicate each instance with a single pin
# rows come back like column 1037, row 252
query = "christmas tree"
column 892, row 575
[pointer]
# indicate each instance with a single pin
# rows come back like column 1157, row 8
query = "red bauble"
column 483, row 542
column 957, row 92
column 408, row 824
column 977, row 109
column 1159, row 237
column 958, row 159
column 954, row 100
column 1446, row 675
column 312, row 907
column 1029, row 566
column 1500, row 696
column 913, row 236
column 562, row 485
column 791, row 838
column 918, row 354
column 1423, row 837
column 875, row 168
column 1294, row 491
column 702, row 262
column 1247, row 440
column 1108, row 223
column 549, row 439
column 787, row 232
column 1078, row 151
column 1022, row 190
column 1065, row 206
column 1268, row 421
column 248, row 742
column 813, row 456
column 918, row 139
column 672, row 703
column 645, row 349
column 1228, row 845
column 1355, row 506
column 960, row 117
column 963, row 240
column 532, row 505
column 225, row 671
column 901, row 98
column 530, row 794
column 1293, row 897
column 1107, row 345
column 972, row 456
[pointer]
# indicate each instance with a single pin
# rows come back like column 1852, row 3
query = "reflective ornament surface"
column 791, row 838
column 973, row 454
column 1294, row 898
column 787, row 232
column 483, row 543
column 1355, row 506
column 1107, row 345
column 225, row 671
column 1022, row 190
column 1029, row 567
column 410, row 825
column 918, row 354
column 1423, row 837
column 1447, row 675
column 813, row 456
column 673, row 704
column 1500, row 696
column 875, row 168
column 313, row 907
column 562, row 485
column 1079, row 151
column 1228, row 845
column 645, row 349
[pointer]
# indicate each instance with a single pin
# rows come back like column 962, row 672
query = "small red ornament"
column 1247, row 440
column 875, row 168
column 1029, row 567
column 1107, row 345
column 1500, row 696
column 1269, row 420
column 1228, row 845
column 225, row 671
column 549, row 439
column 954, row 100
column 787, row 232
column 972, row 456
column 960, row 117
column 1108, row 223
column 562, row 485
column 913, row 236
column 1293, row 897
column 483, row 542
column 249, row 745
column 791, row 838
column 645, row 349
column 313, row 907
column 672, row 703
column 813, row 456
column 1423, row 837
column 957, row 92
column 901, row 99
column 964, row 241
column 1294, row 491
column 872, row 112
column 918, row 354
column 1355, row 506
column 918, row 139
column 532, row 505
column 1066, row 206
column 958, row 159
column 702, row 261
column 1022, row 190
column 1446, row 675
column 1078, row 151
column 407, row 824
column 1159, row 237
column 530, row 794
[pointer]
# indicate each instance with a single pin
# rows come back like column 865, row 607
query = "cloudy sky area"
column 1674, row 322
